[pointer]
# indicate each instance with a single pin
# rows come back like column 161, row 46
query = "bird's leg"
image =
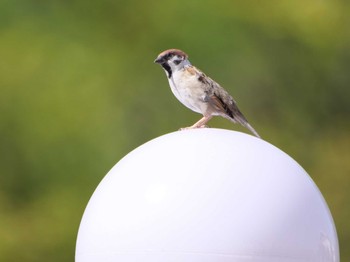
column 200, row 124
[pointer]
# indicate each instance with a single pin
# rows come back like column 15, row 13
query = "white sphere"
column 207, row 195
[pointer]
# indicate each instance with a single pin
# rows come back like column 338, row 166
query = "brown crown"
column 173, row 52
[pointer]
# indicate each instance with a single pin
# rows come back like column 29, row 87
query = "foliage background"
column 79, row 90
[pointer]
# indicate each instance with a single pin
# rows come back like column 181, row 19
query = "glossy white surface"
column 207, row 195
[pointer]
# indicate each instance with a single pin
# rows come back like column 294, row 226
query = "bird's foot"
column 193, row 127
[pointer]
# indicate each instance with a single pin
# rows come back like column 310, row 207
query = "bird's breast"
column 188, row 90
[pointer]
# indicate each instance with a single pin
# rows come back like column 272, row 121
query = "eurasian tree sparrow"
column 199, row 92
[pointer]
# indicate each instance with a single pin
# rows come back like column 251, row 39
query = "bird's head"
column 172, row 60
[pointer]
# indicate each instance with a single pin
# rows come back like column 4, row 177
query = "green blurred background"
column 79, row 90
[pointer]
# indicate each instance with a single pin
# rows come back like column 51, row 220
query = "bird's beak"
column 159, row 60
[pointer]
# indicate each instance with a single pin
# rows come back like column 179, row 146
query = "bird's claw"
column 193, row 127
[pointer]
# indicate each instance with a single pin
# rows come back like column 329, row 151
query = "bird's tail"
column 232, row 113
column 239, row 117
column 251, row 129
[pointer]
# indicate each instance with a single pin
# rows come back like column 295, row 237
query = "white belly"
column 188, row 91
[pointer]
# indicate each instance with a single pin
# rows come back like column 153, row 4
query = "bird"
column 198, row 92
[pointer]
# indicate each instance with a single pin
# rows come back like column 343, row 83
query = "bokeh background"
column 79, row 90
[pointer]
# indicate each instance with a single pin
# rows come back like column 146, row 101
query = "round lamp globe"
column 207, row 195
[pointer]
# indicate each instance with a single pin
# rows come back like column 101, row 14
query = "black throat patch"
column 168, row 69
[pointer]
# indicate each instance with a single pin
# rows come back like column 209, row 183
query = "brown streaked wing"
column 220, row 105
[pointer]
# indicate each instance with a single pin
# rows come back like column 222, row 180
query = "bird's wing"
column 221, row 100
column 219, row 105
column 231, row 111
column 218, row 96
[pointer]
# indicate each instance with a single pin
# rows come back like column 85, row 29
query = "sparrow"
column 199, row 92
